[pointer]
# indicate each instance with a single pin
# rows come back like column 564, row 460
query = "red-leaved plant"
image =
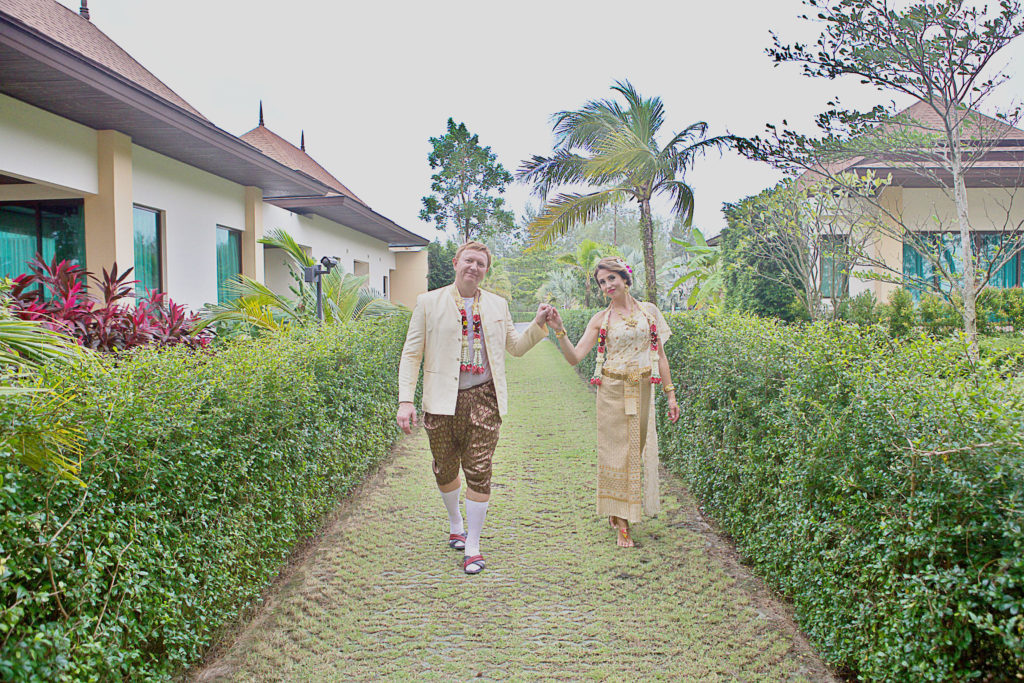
column 105, row 323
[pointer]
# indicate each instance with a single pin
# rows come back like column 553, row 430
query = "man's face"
column 470, row 266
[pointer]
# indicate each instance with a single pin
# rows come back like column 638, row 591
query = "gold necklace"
column 631, row 321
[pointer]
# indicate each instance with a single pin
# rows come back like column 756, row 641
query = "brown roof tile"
column 279, row 149
column 64, row 26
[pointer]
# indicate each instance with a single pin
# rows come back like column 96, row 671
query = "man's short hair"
column 475, row 246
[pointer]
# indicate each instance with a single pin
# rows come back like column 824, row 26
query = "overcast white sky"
column 370, row 82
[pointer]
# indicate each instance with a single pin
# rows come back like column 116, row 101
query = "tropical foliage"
column 41, row 437
column 615, row 148
column 256, row 308
column 54, row 295
column 582, row 262
column 703, row 270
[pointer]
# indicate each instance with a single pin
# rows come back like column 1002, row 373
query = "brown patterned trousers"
column 467, row 438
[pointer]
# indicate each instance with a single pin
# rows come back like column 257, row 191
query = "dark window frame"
column 159, row 213
column 234, row 231
column 38, row 205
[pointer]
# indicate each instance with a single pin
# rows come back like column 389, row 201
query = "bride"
column 630, row 338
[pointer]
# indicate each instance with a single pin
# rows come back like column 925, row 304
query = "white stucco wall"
column 194, row 203
column 325, row 238
column 39, row 146
column 988, row 209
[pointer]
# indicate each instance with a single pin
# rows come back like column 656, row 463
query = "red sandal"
column 457, row 541
column 477, row 560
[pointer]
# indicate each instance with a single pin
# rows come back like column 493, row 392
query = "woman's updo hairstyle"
column 618, row 266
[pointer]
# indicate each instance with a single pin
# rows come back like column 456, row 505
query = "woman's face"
column 611, row 283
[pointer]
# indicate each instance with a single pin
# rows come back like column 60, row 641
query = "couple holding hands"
column 460, row 333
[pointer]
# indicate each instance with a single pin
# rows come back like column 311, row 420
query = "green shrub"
column 899, row 316
column 203, row 471
column 1006, row 307
column 862, row 309
column 938, row 317
column 878, row 483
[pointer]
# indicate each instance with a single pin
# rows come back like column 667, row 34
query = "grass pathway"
column 381, row 596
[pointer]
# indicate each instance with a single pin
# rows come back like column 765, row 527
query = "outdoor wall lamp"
column 313, row 274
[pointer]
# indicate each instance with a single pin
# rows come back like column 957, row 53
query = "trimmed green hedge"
column 203, row 472
column 878, row 483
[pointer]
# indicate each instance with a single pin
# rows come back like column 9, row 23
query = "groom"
column 461, row 333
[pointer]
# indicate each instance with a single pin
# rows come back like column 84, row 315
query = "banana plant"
column 704, row 268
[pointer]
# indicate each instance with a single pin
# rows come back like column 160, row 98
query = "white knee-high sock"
column 451, row 503
column 476, row 513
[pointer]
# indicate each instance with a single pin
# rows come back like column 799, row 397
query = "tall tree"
column 464, row 186
column 615, row 148
column 939, row 53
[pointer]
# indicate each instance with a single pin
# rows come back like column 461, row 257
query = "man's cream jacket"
column 435, row 338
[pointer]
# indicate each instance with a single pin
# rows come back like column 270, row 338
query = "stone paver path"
column 381, row 596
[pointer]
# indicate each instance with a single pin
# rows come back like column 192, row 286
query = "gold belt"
column 634, row 375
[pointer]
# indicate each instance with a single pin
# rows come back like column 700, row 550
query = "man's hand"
column 542, row 314
column 555, row 319
column 406, row 416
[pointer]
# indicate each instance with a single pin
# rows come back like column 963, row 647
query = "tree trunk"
column 647, row 236
column 968, row 288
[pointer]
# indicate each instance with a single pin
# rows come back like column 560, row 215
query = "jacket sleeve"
column 518, row 344
column 412, row 354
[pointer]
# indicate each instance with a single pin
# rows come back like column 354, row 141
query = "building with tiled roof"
column 101, row 162
column 919, row 207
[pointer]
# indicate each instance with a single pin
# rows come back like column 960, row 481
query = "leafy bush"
column 899, row 316
column 107, row 323
column 862, row 309
column 878, row 483
column 1006, row 307
column 202, row 472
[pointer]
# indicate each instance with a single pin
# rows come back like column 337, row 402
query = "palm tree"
column 615, row 148
column 583, row 262
column 255, row 306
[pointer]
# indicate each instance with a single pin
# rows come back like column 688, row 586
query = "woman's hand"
column 555, row 320
column 673, row 408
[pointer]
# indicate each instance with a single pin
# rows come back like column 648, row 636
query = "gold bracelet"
column 559, row 335
column 668, row 388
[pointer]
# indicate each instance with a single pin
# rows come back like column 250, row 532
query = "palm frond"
column 622, row 153
column 26, row 343
column 682, row 199
column 568, row 210
column 283, row 240
column 644, row 116
column 563, row 167
column 679, row 160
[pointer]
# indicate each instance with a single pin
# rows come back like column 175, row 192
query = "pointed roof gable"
column 280, row 150
column 61, row 25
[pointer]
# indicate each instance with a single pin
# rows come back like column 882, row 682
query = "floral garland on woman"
column 602, row 338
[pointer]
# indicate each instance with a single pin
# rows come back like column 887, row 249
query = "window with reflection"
column 52, row 229
column 148, row 269
column 229, row 261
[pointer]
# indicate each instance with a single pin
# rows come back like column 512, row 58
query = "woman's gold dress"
column 627, row 441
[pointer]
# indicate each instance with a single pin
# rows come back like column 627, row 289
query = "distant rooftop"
column 59, row 24
column 280, row 150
